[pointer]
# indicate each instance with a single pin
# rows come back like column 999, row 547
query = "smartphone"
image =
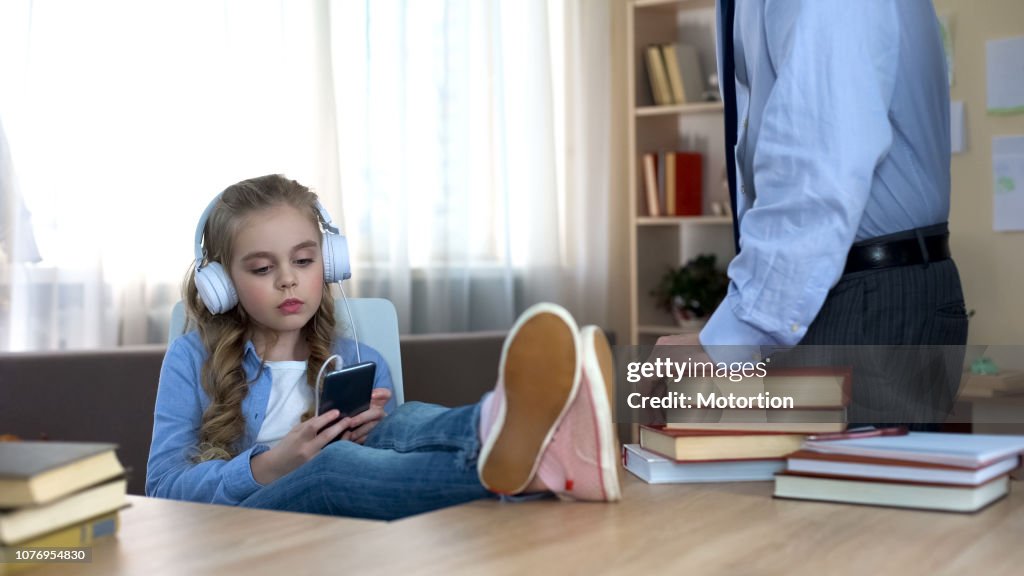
column 348, row 390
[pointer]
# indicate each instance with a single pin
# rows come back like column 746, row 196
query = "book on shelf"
column 683, row 70
column 662, row 94
column 81, row 535
column 656, row 469
column 650, row 161
column 18, row 525
column 675, row 80
column 660, row 165
column 704, row 445
column 889, row 493
column 36, row 472
column 670, row 184
column 807, row 462
column 688, row 182
column 961, row 450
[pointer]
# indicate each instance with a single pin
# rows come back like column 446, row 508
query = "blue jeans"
column 422, row 457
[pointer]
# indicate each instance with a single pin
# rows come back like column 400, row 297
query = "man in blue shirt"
column 839, row 114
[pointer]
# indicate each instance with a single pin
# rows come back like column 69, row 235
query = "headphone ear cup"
column 215, row 288
column 335, row 252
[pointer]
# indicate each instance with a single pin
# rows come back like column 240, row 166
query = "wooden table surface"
column 697, row 528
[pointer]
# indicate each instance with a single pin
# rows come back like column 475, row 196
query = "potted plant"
column 692, row 292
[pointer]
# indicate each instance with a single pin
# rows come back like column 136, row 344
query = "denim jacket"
column 180, row 403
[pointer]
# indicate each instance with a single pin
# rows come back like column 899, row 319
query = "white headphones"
column 215, row 287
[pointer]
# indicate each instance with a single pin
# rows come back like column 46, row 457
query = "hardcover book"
column 656, row 469
column 36, row 472
column 660, row 90
column 21, row 524
column 686, row 80
column 961, row 450
column 809, row 388
column 793, row 421
column 705, row 445
column 895, row 494
column 807, row 462
column 650, row 162
column 81, row 535
column 688, row 182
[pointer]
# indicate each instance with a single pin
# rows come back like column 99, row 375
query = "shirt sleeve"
column 170, row 472
column 825, row 128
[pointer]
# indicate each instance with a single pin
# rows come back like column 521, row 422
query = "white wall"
column 991, row 263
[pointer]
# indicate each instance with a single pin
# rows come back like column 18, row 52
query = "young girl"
column 234, row 419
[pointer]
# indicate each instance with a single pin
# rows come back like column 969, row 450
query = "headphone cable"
column 320, row 381
column 351, row 321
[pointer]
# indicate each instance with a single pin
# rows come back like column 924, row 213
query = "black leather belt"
column 918, row 249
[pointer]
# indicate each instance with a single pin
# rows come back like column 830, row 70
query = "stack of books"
column 932, row 471
column 700, row 444
column 58, row 495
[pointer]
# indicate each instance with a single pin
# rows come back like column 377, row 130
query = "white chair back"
column 375, row 319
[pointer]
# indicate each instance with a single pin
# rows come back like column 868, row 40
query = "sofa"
column 108, row 395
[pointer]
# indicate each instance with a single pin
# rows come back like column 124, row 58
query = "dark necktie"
column 728, row 81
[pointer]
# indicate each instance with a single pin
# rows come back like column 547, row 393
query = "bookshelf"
column 658, row 243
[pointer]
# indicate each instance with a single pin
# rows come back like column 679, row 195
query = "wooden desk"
column 159, row 537
column 733, row 528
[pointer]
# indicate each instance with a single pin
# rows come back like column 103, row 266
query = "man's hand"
column 678, row 348
column 691, row 340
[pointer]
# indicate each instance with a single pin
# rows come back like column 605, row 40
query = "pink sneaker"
column 538, row 378
column 582, row 461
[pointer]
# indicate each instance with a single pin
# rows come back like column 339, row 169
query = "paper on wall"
column 1005, row 67
column 1008, row 183
column 956, row 126
column 947, row 44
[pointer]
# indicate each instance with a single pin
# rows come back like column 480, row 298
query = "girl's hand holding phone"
column 300, row 445
column 362, row 423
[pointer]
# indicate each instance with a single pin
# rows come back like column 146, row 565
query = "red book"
column 689, row 182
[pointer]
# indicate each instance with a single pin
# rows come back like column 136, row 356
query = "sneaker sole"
column 541, row 372
column 598, row 360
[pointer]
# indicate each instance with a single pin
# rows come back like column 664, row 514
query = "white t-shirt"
column 290, row 397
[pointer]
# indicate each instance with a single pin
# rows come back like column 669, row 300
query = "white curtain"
column 475, row 163
column 124, row 119
column 596, row 237
column 464, row 150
